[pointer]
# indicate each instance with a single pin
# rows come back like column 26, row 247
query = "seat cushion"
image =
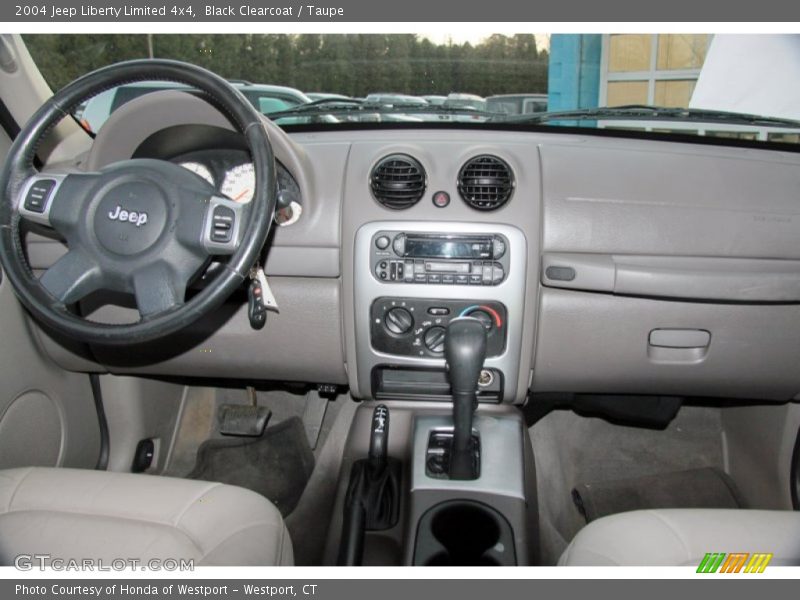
column 677, row 537
column 74, row 514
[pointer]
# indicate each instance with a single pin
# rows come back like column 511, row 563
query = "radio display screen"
column 429, row 247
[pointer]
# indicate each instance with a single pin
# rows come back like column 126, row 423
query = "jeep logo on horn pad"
column 125, row 216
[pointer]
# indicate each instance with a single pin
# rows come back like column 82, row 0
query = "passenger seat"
column 675, row 537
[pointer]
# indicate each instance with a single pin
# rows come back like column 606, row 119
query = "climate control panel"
column 417, row 326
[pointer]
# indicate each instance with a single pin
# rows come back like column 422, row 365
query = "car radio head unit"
column 446, row 246
column 439, row 258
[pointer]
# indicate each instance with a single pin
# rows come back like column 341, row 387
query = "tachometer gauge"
column 199, row 169
column 240, row 183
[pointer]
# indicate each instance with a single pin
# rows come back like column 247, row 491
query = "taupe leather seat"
column 75, row 514
column 678, row 537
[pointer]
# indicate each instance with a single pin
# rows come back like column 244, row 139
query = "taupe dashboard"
column 634, row 266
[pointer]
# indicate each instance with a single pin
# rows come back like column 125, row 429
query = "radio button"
column 487, row 274
column 476, row 279
column 420, row 278
column 408, row 270
column 498, row 248
column 382, row 242
column 434, row 278
column 419, row 267
column 497, row 273
column 399, row 244
column 462, row 279
column 448, row 279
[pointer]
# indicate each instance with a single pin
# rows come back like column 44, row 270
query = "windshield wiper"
column 636, row 112
column 334, row 106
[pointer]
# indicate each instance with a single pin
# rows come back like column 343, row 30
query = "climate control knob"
column 398, row 320
column 434, row 339
column 485, row 318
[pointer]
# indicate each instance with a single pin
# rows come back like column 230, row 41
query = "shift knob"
column 465, row 351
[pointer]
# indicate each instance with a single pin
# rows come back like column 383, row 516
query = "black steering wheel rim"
column 19, row 168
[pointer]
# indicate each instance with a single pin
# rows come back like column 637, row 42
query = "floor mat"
column 277, row 465
column 706, row 487
column 571, row 450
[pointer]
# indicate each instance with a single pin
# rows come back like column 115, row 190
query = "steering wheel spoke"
column 56, row 200
column 222, row 226
column 37, row 197
column 72, row 277
column 157, row 289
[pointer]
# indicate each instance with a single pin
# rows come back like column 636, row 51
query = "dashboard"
column 628, row 266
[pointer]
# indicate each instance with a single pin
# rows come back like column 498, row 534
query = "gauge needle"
column 240, row 196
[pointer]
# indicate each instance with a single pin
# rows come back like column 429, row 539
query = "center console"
column 438, row 321
column 411, row 279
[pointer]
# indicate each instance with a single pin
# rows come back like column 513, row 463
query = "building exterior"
column 591, row 70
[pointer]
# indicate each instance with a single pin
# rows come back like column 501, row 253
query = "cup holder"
column 463, row 533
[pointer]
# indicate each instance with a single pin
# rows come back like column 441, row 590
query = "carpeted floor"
column 570, row 450
column 277, row 465
column 706, row 487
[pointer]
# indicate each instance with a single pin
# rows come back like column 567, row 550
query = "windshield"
column 600, row 81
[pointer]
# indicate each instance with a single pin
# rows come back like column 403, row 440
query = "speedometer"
column 240, row 183
column 199, row 169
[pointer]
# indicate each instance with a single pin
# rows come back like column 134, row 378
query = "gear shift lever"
column 464, row 351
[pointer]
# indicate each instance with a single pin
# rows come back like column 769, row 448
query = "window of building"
column 656, row 69
column 683, row 51
column 674, row 92
column 629, row 53
column 621, row 93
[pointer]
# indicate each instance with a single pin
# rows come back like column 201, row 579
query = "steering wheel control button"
column 434, row 339
column 38, row 195
column 223, row 219
column 399, row 321
column 382, row 242
column 441, row 199
column 130, row 217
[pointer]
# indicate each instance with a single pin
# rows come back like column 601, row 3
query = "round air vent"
column 485, row 182
column 397, row 181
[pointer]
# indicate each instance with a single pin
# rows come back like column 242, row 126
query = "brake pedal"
column 243, row 420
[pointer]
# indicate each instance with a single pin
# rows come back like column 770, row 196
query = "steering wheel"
column 141, row 226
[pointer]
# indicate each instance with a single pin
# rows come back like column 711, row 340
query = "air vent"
column 485, row 182
column 397, row 181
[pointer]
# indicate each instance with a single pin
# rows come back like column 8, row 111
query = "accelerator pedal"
column 243, row 420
